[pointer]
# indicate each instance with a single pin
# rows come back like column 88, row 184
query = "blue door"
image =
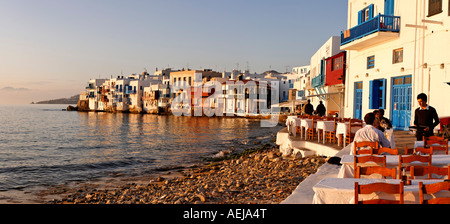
column 358, row 100
column 401, row 102
column 389, row 7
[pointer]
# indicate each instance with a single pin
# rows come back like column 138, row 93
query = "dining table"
column 342, row 129
column 347, row 161
column 342, row 190
column 325, row 126
column 306, row 123
column 292, row 122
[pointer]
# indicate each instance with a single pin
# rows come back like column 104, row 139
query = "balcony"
column 130, row 91
column 377, row 30
column 318, row 81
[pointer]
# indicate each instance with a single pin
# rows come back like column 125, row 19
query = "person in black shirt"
column 321, row 109
column 425, row 118
column 309, row 109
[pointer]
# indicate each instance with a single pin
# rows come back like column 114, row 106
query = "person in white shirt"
column 371, row 134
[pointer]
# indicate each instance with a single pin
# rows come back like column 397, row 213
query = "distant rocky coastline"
column 70, row 100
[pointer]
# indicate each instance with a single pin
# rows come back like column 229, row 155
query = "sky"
column 51, row 48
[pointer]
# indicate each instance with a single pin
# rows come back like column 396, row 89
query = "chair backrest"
column 380, row 160
column 441, row 147
column 433, row 189
column 354, row 123
column 412, row 158
column 424, row 170
column 376, row 187
column 372, row 145
column 385, row 150
column 430, row 138
column 428, row 151
column 383, row 171
column 440, row 141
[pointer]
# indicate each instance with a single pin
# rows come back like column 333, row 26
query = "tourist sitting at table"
column 371, row 134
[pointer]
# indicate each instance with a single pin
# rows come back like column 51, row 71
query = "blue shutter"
column 371, row 11
column 359, row 17
column 383, row 94
column 389, row 7
column 373, row 94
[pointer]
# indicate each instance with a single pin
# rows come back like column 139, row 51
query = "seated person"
column 384, row 122
column 371, row 134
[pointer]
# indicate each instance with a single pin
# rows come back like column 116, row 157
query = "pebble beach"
column 259, row 176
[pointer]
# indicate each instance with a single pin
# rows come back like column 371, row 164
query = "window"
column 434, row 7
column 365, row 14
column 370, row 62
column 398, row 56
column 377, row 98
column 338, row 63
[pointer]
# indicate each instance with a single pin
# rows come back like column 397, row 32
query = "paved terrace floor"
column 304, row 193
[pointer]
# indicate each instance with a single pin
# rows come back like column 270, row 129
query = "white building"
column 92, row 90
column 395, row 51
column 317, row 89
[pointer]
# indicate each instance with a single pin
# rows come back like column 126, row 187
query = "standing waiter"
column 425, row 118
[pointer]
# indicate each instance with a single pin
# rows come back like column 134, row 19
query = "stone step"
column 303, row 152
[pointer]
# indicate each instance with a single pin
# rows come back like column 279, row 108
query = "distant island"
column 70, row 100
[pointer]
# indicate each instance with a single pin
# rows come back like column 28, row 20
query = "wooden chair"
column 311, row 130
column 432, row 138
column 385, row 150
column 380, row 160
column 442, row 145
column 433, row 189
column 424, row 170
column 424, row 151
column 372, row 145
column 350, row 135
column 379, row 187
column 409, row 159
column 331, row 135
column 409, row 151
column 383, row 171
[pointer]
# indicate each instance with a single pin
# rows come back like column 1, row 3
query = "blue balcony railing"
column 318, row 81
column 380, row 23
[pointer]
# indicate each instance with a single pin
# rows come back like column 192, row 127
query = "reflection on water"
column 42, row 145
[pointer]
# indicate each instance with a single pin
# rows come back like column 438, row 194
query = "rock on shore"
column 261, row 177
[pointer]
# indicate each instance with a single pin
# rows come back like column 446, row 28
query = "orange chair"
column 433, row 189
column 424, row 170
column 423, row 151
column 379, row 187
column 350, row 135
column 385, row 150
column 409, row 159
column 372, row 145
column 380, row 160
column 383, row 171
column 409, row 151
column 440, row 141
column 331, row 135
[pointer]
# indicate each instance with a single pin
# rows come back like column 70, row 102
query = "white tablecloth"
column 342, row 128
column 325, row 126
column 389, row 134
column 306, row 123
column 292, row 122
column 347, row 161
column 342, row 191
